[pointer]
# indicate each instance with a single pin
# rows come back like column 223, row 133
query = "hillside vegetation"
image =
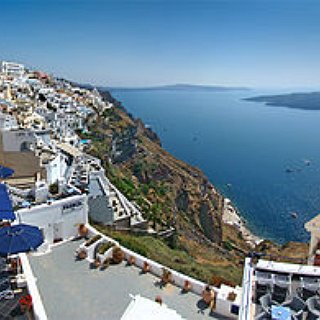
column 170, row 193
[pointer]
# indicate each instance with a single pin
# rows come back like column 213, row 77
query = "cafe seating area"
column 280, row 296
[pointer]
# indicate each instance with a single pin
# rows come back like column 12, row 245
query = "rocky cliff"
column 169, row 192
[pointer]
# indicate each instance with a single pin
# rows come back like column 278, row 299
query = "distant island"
column 304, row 101
column 179, row 87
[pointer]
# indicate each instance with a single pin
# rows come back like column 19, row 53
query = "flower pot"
column 187, row 286
column 83, row 230
column 146, row 267
column 131, row 260
column 97, row 263
column 117, row 255
column 158, row 299
column 208, row 295
column 166, row 276
column 82, row 254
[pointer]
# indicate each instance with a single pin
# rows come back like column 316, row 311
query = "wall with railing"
column 223, row 305
column 38, row 308
column 245, row 310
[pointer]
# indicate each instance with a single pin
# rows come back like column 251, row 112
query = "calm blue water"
column 245, row 144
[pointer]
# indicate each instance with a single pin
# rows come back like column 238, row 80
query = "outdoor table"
column 280, row 313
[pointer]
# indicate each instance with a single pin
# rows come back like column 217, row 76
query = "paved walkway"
column 70, row 289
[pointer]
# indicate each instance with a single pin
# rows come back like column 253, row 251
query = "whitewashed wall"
column 56, row 169
column 47, row 216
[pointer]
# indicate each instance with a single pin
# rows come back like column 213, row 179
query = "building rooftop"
column 70, row 289
column 69, row 149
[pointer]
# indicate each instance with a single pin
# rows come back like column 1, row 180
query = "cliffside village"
column 56, row 186
column 39, row 120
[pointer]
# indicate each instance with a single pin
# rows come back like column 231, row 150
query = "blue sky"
column 257, row 43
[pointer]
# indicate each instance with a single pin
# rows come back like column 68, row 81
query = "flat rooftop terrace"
column 70, row 289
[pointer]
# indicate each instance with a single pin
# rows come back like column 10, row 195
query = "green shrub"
column 54, row 188
column 133, row 244
column 105, row 246
column 228, row 245
column 92, row 240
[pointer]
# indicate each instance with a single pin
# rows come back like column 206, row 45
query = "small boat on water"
column 294, row 215
column 229, row 185
column 289, row 170
column 307, row 162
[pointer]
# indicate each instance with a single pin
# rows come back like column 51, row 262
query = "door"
column 57, row 232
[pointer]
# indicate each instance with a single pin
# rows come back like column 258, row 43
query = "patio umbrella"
column 5, row 172
column 19, row 238
column 6, row 210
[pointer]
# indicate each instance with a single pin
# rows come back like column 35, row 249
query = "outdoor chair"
column 311, row 284
column 261, row 290
column 283, row 281
column 296, row 305
column 6, row 294
column 265, row 278
column 263, row 316
column 266, row 303
column 305, row 294
column 279, row 294
column 313, row 305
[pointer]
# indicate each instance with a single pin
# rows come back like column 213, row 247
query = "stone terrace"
column 70, row 289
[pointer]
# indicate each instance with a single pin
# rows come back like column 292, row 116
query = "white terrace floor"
column 70, row 289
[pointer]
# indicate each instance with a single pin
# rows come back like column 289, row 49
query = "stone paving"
column 70, row 289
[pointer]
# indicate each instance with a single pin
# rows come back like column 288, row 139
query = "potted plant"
column 166, row 276
column 82, row 254
column 97, row 263
column 232, row 296
column 208, row 295
column 146, row 267
column 158, row 299
column 186, row 286
column 83, row 230
column 131, row 260
column 117, row 255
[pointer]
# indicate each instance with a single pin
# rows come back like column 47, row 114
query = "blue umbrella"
column 6, row 210
column 19, row 238
column 5, row 172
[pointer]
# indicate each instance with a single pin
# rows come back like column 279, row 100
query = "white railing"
column 38, row 308
column 179, row 279
column 246, row 303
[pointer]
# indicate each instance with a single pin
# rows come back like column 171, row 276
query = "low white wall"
column 38, row 308
column 90, row 249
column 223, row 306
column 245, row 310
column 157, row 269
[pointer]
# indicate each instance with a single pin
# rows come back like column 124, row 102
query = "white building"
column 58, row 220
column 12, row 69
column 8, row 122
column 56, row 168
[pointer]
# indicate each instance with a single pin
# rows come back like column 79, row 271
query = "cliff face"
column 170, row 193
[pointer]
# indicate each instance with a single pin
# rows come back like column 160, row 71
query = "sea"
column 265, row 159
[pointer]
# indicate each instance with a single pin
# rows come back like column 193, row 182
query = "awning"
column 141, row 308
column 19, row 238
column 5, row 172
column 6, row 210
